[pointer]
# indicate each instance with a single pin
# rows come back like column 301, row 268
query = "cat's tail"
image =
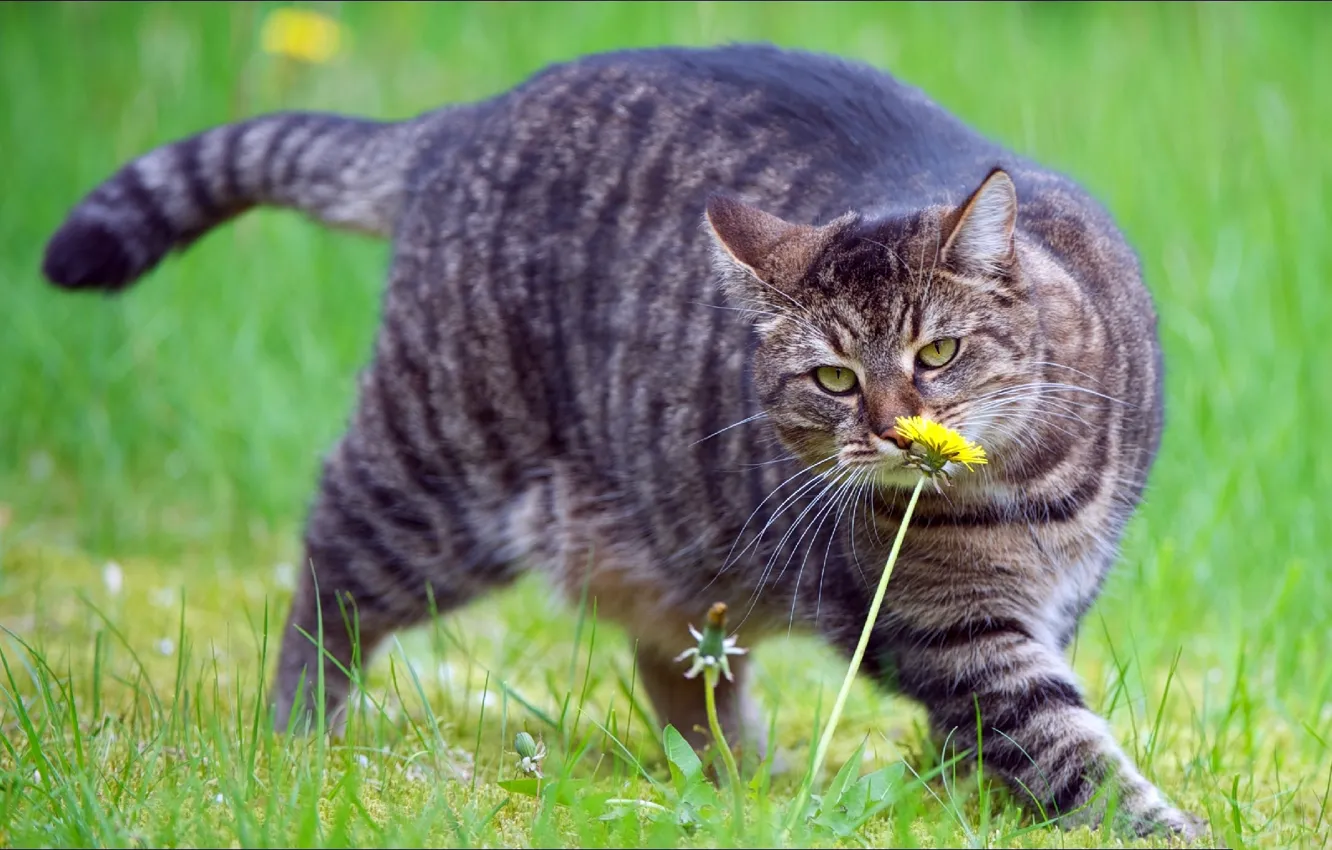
column 346, row 172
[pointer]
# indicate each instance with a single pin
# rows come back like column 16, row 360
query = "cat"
column 650, row 318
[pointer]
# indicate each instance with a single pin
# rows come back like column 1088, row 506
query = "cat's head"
column 861, row 321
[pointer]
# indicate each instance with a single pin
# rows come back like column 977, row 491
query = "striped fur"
column 579, row 372
column 345, row 172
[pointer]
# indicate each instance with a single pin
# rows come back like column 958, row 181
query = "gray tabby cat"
column 561, row 385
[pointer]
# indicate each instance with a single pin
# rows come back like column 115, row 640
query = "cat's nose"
column 892, row 436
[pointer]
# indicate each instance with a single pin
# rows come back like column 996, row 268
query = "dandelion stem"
column 870, row 619
column 629, row 801
column 732, row 772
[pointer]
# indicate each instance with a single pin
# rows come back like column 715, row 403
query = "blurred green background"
column 188, row 416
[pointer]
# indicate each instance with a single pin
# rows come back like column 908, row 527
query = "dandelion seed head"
column 713, row 645
column 285, row 574
column 113, row 577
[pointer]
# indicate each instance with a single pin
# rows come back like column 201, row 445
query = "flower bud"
column 524, row 745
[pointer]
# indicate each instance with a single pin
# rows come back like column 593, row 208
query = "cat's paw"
column 1179, row 827
column 780, row 764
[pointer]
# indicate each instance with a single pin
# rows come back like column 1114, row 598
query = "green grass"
column 177, row 431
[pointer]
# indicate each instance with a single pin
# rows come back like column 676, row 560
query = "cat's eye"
column 938, row 353
column 837, row 380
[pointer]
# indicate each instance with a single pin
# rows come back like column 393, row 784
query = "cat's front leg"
column 1036, row 730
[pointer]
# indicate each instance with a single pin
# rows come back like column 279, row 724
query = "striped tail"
column 346, row 172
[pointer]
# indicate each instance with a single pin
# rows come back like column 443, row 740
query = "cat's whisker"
column 871, row 510
column 788, row 297
column 1035, row 415
column 816, row 508
column 1020, row 435
column 833, row 503
column 1045, row 394
column 750, row 311
column 1029, row 385
column 832, row 481
column 861, row 485
column 1036, row 405
column 999, row 435
column 1008, row 433
column 841, row 482
column 1038, row 415
column 1069, row 368
column 1001, row 427
column 773, row 462
column 1054, row 407
column 843, row 500
column 865, row 507
column 1044, row 418
column 777, row 549
column 794, row 495
column 892, row 252
column 759, row 415
column 807, row 470
column 799, row 491
column 1055, row 385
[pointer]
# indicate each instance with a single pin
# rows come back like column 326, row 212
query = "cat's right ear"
column 760, row 257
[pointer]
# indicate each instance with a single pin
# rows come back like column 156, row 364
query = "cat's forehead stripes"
column 870, row 294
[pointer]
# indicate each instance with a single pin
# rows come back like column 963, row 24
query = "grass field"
column 157, row 451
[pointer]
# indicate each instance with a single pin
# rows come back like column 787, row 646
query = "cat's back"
column 643, row 136
column 835, row 131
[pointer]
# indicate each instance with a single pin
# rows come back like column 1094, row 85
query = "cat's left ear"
column 980, row 231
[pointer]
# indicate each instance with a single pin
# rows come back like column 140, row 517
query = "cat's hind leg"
column 388, row 543
column 357, row 587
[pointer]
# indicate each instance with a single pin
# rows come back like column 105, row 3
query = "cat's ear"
column 980, row 231
column 761, row 258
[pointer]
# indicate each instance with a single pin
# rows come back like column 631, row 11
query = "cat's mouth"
column 874, row 451
column 870, row 457
column 884, row 464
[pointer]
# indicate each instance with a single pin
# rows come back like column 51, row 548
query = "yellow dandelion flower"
column 939, row 444
column 301, row 34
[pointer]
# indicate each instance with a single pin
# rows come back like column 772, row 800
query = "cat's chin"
column 901, row 477
column 898, row 477
column 889, row 474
